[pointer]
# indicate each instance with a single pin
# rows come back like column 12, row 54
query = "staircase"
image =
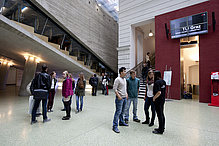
column 142, row 89
column 57, row 46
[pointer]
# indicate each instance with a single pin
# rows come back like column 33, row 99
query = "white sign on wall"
column 167, row 77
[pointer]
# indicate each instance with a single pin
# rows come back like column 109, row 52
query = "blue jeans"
column 103, row 89
column 36, row 105
column 120, row 110
column 77, row 102
column 135, row 102
column 149, row 102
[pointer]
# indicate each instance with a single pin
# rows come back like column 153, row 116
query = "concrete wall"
column 95, row 29
column 134, row 13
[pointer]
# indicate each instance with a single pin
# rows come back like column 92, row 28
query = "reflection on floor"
column 188, row 122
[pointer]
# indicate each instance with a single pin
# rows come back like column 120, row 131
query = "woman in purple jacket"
column 66, row 93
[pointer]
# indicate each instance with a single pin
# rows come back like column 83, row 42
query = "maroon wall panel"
column 167, row 51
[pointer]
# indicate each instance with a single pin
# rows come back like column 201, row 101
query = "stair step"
column 65, row 52
column 26, row 27
column 44, row 38
column 54, row 45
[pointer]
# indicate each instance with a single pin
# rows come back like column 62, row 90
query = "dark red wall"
column 167, row 51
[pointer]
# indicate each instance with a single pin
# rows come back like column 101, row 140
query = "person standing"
column 159, row 100
column 80, row 91
column 52, row 91
column 133, row 85
column 91, row 83
column 149, row 99
column 95, row 83
column 107, row 83
column 144, row 70
column 119, row 87
column 148, row 59
column 40, row 88
column 102, row 83
column 73, row 86
column 67, row 92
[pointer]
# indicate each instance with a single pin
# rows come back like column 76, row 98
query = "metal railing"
column 137, row 68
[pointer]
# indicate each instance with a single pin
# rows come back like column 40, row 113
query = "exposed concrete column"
column 28, row 75
column 4, row 69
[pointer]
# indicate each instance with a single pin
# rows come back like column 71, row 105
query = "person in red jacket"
column 66, row 93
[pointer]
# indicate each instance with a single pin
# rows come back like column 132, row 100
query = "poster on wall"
column 167, row 77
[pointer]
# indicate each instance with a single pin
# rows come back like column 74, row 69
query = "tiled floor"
column 188, row 122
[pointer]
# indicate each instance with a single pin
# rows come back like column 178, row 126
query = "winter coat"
column 67, row 88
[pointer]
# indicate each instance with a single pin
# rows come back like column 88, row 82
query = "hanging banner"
column 167, row 77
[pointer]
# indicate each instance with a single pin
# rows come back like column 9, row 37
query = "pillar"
column 28, row 75
column 4, row 69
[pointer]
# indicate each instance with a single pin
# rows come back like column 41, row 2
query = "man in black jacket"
column 40, row 87
column 95, row 83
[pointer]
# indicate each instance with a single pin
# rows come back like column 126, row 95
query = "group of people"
column 43, row 87
column 104, row 84
column 127, row 90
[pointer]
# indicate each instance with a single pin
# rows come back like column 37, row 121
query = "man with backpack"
column 95, row 83
column 40, row 88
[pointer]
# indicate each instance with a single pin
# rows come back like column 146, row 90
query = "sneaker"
column 157, row 132
column 63, row 109
column 46, row 120
column 151, row 124
column 65, row 118
column 123, row 124
column 137, row 120
column 145, row 122
column 116, row 130
column 51, row 110
column 77, row 112
column 126, row 121
column 32, row 122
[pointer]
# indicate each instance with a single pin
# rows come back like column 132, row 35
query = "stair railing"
column 137, row 68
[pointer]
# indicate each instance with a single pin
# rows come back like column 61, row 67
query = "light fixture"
column 23, row 9
column 32, row 58
column 150, row 33
column 99, row 4
column 4, row 62
column 26, row 57
column 38, row 60
column 10, row 63
column 1, row 10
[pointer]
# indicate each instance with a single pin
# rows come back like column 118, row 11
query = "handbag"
column 40, row 94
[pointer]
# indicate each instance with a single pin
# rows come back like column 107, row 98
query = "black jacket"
column 41, row 81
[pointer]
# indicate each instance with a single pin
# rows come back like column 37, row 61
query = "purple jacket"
column 67, row 88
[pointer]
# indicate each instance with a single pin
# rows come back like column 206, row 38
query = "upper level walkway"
column 187, row 123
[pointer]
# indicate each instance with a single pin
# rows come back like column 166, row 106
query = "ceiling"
column 15, row 43
column 146, row 29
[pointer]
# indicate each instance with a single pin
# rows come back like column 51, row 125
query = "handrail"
column 137, row 68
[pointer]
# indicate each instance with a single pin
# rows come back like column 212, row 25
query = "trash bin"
column 196, row 89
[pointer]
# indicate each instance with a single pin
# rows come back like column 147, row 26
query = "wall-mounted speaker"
column 213, row 21
column 167, row 31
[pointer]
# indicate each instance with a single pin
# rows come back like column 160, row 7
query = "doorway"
column 189, row 66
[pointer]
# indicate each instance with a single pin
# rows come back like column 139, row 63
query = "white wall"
column 133, row 13
column 139, row 48
column 11, row 76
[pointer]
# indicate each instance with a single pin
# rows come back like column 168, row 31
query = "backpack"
column 81, row 84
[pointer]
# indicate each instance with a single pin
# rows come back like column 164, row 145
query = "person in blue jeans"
column 149, row 94
column 80, row 92
column 133, row 85
column 119, row 87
